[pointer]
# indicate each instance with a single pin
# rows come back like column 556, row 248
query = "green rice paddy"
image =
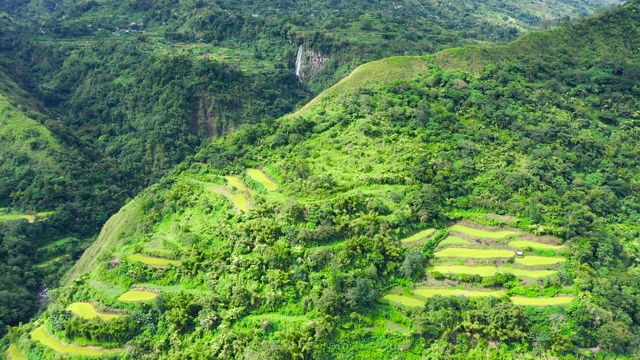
column 542, row 301
column 403, row 300
column 239, row 201
column 236, row 183
column 482, row 233
column 539, row 260
column 455, row 240
column 39, row 334
column 13, row 353
column 137, row 295
column 152, row 261
column 419, row 236
column 474, row 253
column 521, row 244
column 485, row 271
column 428, row 292
column 88, row 311
column 262, row 178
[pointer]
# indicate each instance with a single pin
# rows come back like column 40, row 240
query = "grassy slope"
column 126, row 221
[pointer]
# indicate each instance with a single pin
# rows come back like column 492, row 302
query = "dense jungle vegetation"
column 278, row 240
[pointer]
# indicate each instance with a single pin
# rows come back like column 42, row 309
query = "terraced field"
column 475, row 250
column 152, row 261
column 466, row 253
column 88, row 311
column 403, row 300
column 542, row 301
column 522, row 244
column 13, row 353
column 41, row 335
column 418, row 236
column 262, row 178
column 137, row 296
column 485, row 271
column 430, row 292
column 487, row 234
column 539, row 260
column 236, row 183
column 455, row 240
column 240, row 202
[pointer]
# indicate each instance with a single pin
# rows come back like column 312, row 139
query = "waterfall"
column 299, row 62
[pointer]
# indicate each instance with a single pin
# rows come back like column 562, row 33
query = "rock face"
column 309, row 63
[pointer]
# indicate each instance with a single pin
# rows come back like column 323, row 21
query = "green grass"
column 542, row 301
column 262, row 178
column 152, row 261
column 386, row 70
column 39, row 334
column 403, row 300
column 418, row 236
column 13, row 353
column 88, row 311
column 485, row 271
column 236, row 183
column 539, row 260
column 482, row 233
column 137, row 295
column 429, row 292
column 474, row 253
column 521, row 244
column 454, row 240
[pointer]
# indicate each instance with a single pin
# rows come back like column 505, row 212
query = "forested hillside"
column 505, row 174
column 102, row 98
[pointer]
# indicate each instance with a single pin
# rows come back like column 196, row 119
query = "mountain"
column 101, row 99
column 505, row 173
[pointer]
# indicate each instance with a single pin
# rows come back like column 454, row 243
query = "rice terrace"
column 88, row 311
column 137, row 295
column 476, row 261
column 41, row 335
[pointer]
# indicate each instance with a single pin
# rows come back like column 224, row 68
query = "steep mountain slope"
column 277, row 241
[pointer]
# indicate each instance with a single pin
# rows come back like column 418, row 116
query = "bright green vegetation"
column 261, row 177
column 430, row 292
column 553, row 301
column 521, row 244
column 41, row 335
column 474, row 253
column 403, row 300
column 236, row 183
column 13, row 353
column 482, row 233
column 88, row 311
column 418, row 236
column 491, row 271
column 137, row 295
column 455, row 240
column 542, row 129
column 539, row 260
column 153, row 261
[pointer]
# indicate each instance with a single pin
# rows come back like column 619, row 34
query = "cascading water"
column 299, row 63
